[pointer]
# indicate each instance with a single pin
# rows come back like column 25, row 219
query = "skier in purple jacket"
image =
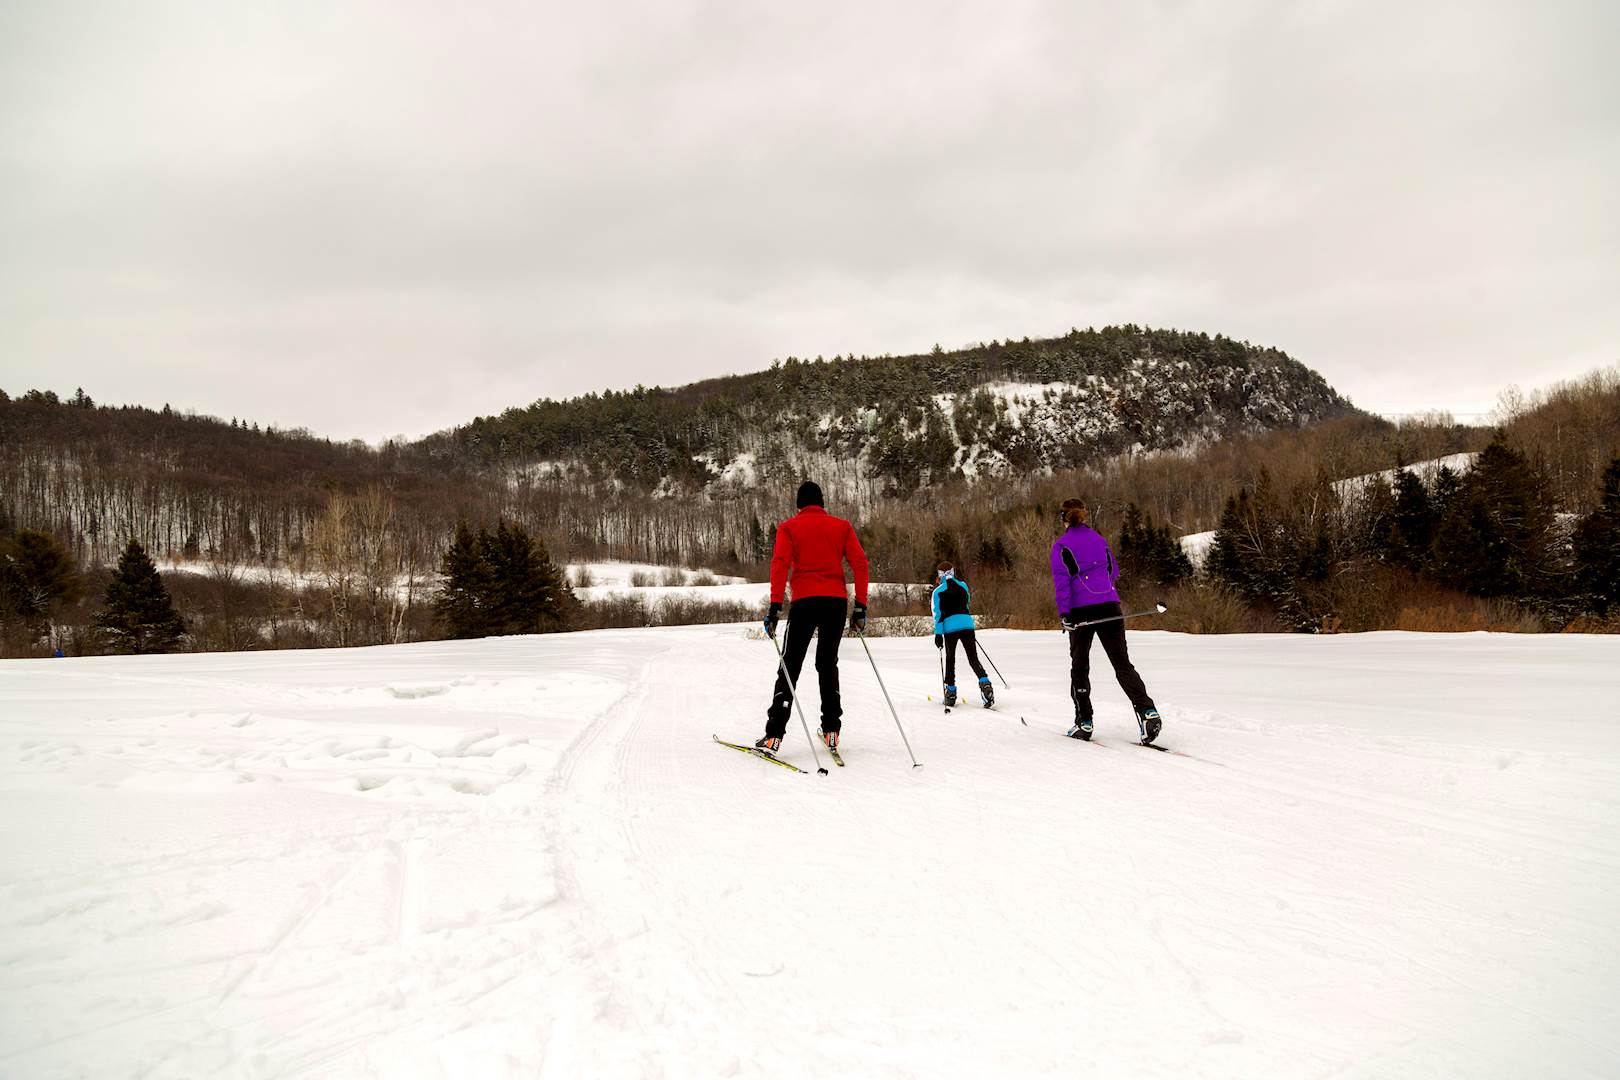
column 1083, row 576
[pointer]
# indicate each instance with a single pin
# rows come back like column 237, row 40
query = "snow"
column 1427, row 471
column 611, row 580
column 1196, row 545
column 617, row 575
column 1389, row 855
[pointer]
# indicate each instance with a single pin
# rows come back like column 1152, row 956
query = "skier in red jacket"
column 811, row 549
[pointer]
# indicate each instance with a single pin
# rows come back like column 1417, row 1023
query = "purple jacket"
column 1083, row 569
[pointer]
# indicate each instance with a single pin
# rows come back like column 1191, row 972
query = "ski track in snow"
column 1389, row 855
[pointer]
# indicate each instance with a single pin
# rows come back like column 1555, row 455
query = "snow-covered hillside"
column 1386, row 855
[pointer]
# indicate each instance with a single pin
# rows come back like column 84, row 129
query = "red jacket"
column 813, row 545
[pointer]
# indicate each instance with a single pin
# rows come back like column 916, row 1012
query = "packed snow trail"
column 1395, row 855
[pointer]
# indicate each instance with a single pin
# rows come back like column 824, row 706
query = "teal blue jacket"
column 951, row 607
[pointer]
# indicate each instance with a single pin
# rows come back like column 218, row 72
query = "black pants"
column 824, row 617
column 1112, row 636
column 969, row 648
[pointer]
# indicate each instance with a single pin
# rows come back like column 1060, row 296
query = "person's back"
column 1083, row 576
column 811, row 549
column 951, row 599
column 1083, row 568
column 953, row 625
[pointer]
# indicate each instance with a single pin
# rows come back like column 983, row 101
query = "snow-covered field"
column 1388, row 855
column 613, row 580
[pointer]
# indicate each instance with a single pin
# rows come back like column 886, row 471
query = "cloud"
column 385, row 217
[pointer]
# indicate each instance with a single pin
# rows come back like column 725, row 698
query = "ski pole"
column 781, row 662
column 993, row 667
column 941, row 674
column 1156, row 609
column 915, row 764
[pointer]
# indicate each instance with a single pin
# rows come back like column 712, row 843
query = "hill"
column 886, row 426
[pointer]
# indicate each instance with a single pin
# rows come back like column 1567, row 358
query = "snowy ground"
column 1389, row 855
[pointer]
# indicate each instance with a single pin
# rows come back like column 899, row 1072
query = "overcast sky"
column 388, row 217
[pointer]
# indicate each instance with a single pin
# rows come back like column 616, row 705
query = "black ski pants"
column 969, row 647
column 822, row 616
column 1112, row 636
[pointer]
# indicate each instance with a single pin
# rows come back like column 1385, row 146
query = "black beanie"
column 809, row 495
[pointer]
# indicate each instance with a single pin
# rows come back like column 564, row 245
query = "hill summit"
column 996, row 410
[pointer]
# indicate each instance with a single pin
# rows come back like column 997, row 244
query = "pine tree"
column 36, row 575
column 503, row 582
column 36, row 572
column 1276, row 555
column 1148, row 553
column 467, row 586
column 1499, row 534
column 138, row 616
column 1413, row 521
column 1597, row 548
column 1374, row 518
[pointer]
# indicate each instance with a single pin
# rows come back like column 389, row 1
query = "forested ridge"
column 922, row 419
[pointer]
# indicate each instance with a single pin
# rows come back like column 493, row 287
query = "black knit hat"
column 809, row 495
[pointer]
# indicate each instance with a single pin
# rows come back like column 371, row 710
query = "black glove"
column 939, row 641
column 1072, row 620
column 772, row 617
column 857, row 618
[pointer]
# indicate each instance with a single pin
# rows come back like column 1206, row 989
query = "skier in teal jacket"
column 952, row 624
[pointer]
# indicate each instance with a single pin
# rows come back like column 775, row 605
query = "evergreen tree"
column 138, row 616
column 1148, row 553
column 530, row 595
column 993, row 556
column 1374, row 518
column 1597, row 548
column 1275, row 555
column 1499, row 535
column 36, row 575
column 36, row 572
column 503, row 582
column 1413, row 521
column 467, row 586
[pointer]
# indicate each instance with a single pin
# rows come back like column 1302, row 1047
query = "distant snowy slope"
column 1423, row 470
column 1388, row 855
column 1197, row 545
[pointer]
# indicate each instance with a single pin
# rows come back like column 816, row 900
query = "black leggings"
column 1112, row 636
column 822, row 616
column 968, row 647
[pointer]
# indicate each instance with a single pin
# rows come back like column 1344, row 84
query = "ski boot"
column 950, row 696
column 1148, row 720
column 987, row 692
column 770, row 744
column 1081, row 730
column 828, row 738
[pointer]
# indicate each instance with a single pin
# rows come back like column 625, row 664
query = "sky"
column 382, row 218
